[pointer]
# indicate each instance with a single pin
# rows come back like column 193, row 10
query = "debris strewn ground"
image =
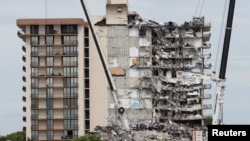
column 155, row 132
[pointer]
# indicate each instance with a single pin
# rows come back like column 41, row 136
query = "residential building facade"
column 57, row 78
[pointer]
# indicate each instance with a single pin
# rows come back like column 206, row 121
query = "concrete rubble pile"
column 142, row 132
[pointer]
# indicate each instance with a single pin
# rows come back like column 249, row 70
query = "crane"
column 217, row 116
column 118, row 106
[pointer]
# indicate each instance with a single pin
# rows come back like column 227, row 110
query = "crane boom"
column 217, row 116
column 105, row 66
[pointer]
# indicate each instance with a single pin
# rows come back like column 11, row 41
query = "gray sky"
column 237, row 95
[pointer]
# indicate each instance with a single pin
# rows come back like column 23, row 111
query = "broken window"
column 142, row 31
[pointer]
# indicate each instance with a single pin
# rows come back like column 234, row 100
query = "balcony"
column 24, row 48
column 24, row 68
column 207, row 66
column 24, row 128
column 24, row 109
column 206, row 45
column 207, row 86
column 24, row 99
column 206, row 37
column 24, row 58
column 24, row 79
column 24, row 119
column 21, row 34
column 66, row 137
column 206, row 96
column 206, row 106
column 24, row 88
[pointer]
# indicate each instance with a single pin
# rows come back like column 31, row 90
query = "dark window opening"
column 86, row 32
column 34, row 29
column 142, row 31
column 86, row 83
column 87, row 114
column 69, row 29
column 86, row 42
column 86, row 62
column 87, row 104
column 86, row 93
column 86, row 73
column 87, row 124
column 49, row 29
column 86, row 52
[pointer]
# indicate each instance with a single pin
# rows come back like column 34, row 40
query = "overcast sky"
column 237, row 95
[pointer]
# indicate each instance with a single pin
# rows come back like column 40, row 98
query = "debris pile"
column 142, row 132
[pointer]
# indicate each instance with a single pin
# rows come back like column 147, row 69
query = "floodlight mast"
column 217, row 116
column 118, row 106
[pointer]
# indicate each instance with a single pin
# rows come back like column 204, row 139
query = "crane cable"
column 197, row 7
column 221, row 30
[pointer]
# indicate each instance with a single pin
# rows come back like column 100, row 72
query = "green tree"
column 15, row 136
column 87, row 138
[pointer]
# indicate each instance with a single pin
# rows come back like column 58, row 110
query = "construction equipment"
column 118, row 106
column 220, row 82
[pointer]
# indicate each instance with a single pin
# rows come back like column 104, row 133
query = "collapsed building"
column 159, row 70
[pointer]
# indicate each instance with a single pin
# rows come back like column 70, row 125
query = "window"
column 86, row 42
column 70, row 123
column 34, row 50
column 49, row 50
column 49, row 40
column 34, row 134
column 70, row 71
column 87, row 115
column 34, row 71
column 70, row 50
column 87, row 124
column 66, row 40
column 70, row 102
column 70, row 113
column 34, row 40
column 34, row 93
column 70, row 82
column 50, row 92
column 50, row 135
column 50, row 102
column 86, row 62
column 49, row 81
column 69, row 60
column 86, row 73
column 86, row 93
column 86, row 103
column 34, row 29
column 34, row 61
column 34, row 124
column 34, row 82
column 34, row 103
column 86, row 83
column 70, row 92
column 49, row 29
column 86, row 32
column 50, row 113
column 49, row 71
column 68, row 29
column 49, row 61
column 50, row 123
column 34, row 113
column 86, row 52
column 142, row 31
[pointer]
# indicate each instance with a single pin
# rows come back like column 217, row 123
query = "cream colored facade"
column 61, row 100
